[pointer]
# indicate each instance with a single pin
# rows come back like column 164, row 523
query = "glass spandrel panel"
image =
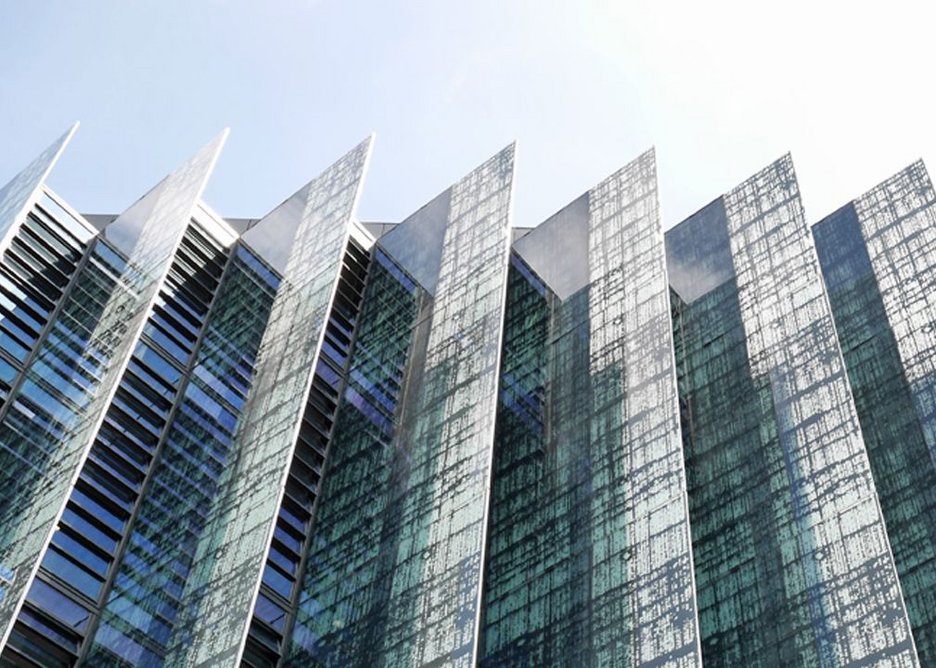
column 897, row 222
column 557, row 250
column 416, row 244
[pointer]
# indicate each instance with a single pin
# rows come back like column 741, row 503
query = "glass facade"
column 49, row 421
column 791, row 558
column 290, row 442
column 274, row 610
column 37, row 350
column 142, row 613
column 351, row 554
column 878, row 258
column 226, row 570
column 589, row 554
column 17, row 196
column 123, row 545
column 393, row 570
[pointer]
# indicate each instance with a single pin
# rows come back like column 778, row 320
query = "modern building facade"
column 305, row 440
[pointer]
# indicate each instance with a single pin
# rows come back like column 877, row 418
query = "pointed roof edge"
column 220, row 139
column 21, row 192
column 557, row 248
column 784, row 161
column 575, row 200
column 367, row 145
column 416, row 242
column 50, row 156
column 369, row 141
column 510, row 148
column 273, row 235
column 558, row 215
column 882, row 183
column 213, row 148
column 918, row 163
column 788, row 156
column 192, row 175
column 62, row 142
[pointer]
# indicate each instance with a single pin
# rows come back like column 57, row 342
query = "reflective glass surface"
column 588, row 546
column 190, row 450
column 275, row 608
column 878, row 258
column 351, row 556
column 791, row 557
column 447, row 433
column 51, row 419
column 307, row 447
column 219, row 597
column 393, row 574
column 17, row 195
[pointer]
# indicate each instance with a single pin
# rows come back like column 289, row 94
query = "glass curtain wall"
column 878, row 259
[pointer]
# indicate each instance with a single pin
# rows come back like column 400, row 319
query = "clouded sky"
column 721, row 88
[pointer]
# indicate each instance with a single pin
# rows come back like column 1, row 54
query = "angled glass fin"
column 772, row 439
column 16, row 196
column 305, row 238
column 45, row 431
column 588, row 470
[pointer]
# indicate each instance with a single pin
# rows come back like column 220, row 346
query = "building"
column 306, row 440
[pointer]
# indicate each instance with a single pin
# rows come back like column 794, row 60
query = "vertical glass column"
column 589, row 552
column 281, row 583
column 394, row 567
column 639, row 505
column 792, row 561
column 878, row 259
column 350, row 552
column 48, row 424
column 447, row 432
column 39, row 263
column 305, row 238
column 78, row 569
column 142, row 612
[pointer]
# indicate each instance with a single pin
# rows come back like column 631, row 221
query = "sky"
column 721, row 88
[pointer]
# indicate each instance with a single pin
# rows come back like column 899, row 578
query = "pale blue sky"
column 721, row 88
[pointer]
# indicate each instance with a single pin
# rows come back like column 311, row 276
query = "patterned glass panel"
column 792, row 561
column 219, row 595
column 878, row 257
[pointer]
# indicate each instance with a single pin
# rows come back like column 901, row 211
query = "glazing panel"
column 19, row 194
column 352, row 552
column 842, row 546
column 96, row 330
column 791, row 558
column 447, row 433
column 394, row 570
column 878, row 258
column 589, row 551
column 220, row 593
